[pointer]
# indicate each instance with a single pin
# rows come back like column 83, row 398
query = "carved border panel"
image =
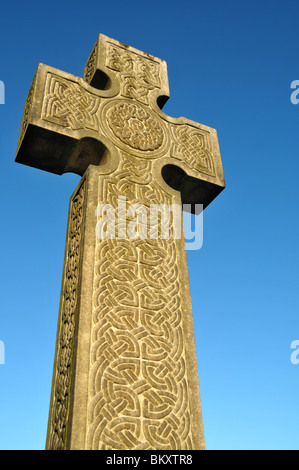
column 68, row 104
column 26, row 113
column 193, row 147
column 60, row 413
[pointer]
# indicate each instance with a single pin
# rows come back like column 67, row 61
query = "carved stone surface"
column 69, row 105
column 138, row 392
column 125, row 371
column 135, row 126
column 67, row 325
column 194, row 147
column 137, row 74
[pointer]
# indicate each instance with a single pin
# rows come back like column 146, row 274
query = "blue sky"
column 230, row 66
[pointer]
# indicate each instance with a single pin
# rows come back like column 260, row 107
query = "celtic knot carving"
column 91, row 64
column 69, row 105
column 64, row 354
column 137, row 74
column 193, row 147
column 135, row 126
column 138, row 385
column 119, row 59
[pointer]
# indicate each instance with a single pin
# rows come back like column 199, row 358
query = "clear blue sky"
column 230, row 66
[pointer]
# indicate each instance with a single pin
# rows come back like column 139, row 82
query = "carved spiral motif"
column 134, row 126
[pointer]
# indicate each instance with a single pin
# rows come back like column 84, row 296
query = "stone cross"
column 125, row 370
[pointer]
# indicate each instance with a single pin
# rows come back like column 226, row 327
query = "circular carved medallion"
column 135, row 126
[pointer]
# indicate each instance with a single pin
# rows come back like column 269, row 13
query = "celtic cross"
column 125, row 370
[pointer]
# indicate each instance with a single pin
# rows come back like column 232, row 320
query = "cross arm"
column 194, row 165
column 60, row 129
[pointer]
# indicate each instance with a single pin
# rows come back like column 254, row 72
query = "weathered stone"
column 125, row 371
